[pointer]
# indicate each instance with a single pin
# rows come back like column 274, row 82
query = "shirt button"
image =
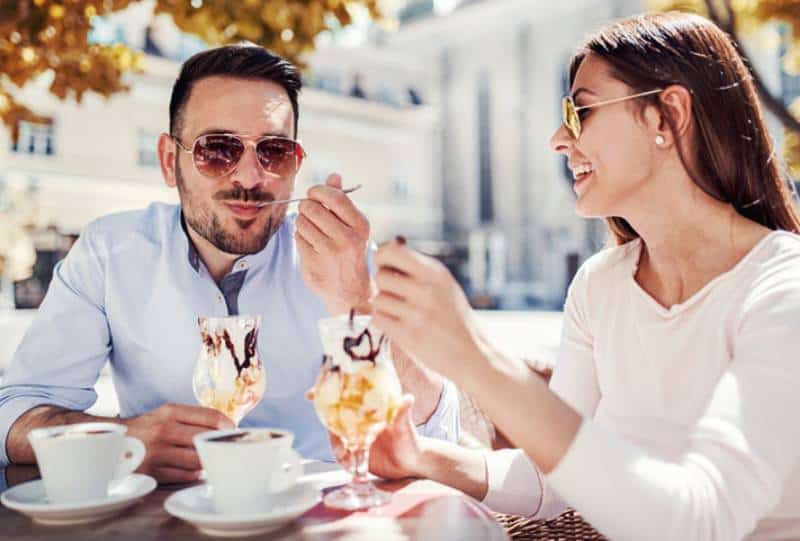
column 219, row 298
column 242, row 265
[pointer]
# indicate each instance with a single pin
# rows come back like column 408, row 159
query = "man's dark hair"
column 238, row 61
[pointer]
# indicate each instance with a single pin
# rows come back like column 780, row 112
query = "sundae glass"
column 229, row 376
column 356, row 396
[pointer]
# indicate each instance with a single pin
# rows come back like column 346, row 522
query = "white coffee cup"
column 247, row 466
column 79, row 462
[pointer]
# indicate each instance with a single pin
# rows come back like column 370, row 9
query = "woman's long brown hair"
column 732, row 158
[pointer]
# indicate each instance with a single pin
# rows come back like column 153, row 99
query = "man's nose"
column 248, row 172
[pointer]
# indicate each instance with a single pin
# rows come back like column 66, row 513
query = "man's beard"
column 202, row 219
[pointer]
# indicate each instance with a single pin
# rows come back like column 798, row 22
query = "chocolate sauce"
column 212, row 345
column 249, row 347
column 350, row 343
column 229, row 344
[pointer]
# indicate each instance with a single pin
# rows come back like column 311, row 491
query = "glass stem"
column 359, row 467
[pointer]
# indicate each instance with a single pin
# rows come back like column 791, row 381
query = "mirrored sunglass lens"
column 217, row 155
column 278, row 156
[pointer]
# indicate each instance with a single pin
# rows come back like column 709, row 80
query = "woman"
column 671, row 411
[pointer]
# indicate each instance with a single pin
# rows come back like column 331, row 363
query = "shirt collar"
column 243, row 263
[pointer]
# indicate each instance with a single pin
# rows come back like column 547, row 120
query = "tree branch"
column 773, row 103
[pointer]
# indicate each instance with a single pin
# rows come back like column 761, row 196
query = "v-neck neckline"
column 681, row 307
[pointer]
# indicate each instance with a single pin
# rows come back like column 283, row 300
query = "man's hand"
column 332, row 238
column 167, row 433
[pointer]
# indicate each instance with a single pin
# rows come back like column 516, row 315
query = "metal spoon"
column 265, row 203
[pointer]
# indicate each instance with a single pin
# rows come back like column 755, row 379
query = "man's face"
column 222, row 210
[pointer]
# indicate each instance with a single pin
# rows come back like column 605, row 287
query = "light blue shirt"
column 130, row 291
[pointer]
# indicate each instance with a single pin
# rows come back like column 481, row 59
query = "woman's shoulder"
column 611, row 263
column 774, row 265
column 779, row 247
column 770, row 281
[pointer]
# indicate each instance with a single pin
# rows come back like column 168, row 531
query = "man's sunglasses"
column 216, row 155
column 572, row 119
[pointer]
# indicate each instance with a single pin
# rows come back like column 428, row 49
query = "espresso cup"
column 79, row 462
column 246, row 467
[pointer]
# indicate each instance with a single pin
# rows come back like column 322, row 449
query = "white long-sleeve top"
column 691, row 428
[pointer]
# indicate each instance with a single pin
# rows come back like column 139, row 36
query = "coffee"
column 78, row 433
column 247, row 437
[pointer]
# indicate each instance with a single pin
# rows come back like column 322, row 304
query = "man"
column 131, row 289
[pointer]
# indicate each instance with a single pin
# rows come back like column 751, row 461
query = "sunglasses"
column 571, row 118
column 216, row 155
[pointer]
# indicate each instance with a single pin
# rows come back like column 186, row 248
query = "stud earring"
column 659, row 140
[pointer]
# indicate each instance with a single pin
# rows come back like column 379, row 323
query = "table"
column 420, row 510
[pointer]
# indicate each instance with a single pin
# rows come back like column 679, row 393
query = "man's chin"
column 239, row 245
column 247, row 237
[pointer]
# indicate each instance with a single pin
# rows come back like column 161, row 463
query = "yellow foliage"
column 751, row 15
column 47, row 35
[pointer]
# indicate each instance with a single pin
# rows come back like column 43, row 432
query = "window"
column 485, row 150
column 147, row 155
column 34, row 138
column 51, row 247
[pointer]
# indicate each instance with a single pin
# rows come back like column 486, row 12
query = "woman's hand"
column 396, row 453
column 400, row 453
column 423, row 310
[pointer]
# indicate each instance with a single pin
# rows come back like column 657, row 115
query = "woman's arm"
column 741, row 450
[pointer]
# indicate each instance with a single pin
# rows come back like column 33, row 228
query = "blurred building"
column 445, row 122
column 508, row 201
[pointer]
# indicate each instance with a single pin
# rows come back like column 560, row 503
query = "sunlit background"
column 442, row 109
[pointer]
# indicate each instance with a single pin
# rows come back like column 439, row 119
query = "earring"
column 659, row 140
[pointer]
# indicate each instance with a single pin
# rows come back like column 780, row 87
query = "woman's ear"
column 673, row 119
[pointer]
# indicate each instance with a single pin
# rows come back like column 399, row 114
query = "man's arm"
column 420, row 381
column 61, row 356
column 52, row 375
column 167, row 433
column 19, row 450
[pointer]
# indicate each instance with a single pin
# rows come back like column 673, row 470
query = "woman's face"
column 614, row 156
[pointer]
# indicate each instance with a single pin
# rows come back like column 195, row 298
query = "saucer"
column 195, row 505
column 30, row 499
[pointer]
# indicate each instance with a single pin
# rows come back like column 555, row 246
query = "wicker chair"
column 478, row 431
column 568, row 526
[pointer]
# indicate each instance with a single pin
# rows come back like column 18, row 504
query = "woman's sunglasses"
column 216, row 155
column 572, row 119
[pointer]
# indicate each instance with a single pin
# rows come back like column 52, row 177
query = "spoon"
column 265, row 203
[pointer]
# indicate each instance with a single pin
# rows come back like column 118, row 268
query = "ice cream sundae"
column 229, row 376
column 356, row 395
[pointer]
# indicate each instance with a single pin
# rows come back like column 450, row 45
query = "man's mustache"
column 237, row 193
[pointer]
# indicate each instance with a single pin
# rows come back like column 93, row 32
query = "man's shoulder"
column 152, row 224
